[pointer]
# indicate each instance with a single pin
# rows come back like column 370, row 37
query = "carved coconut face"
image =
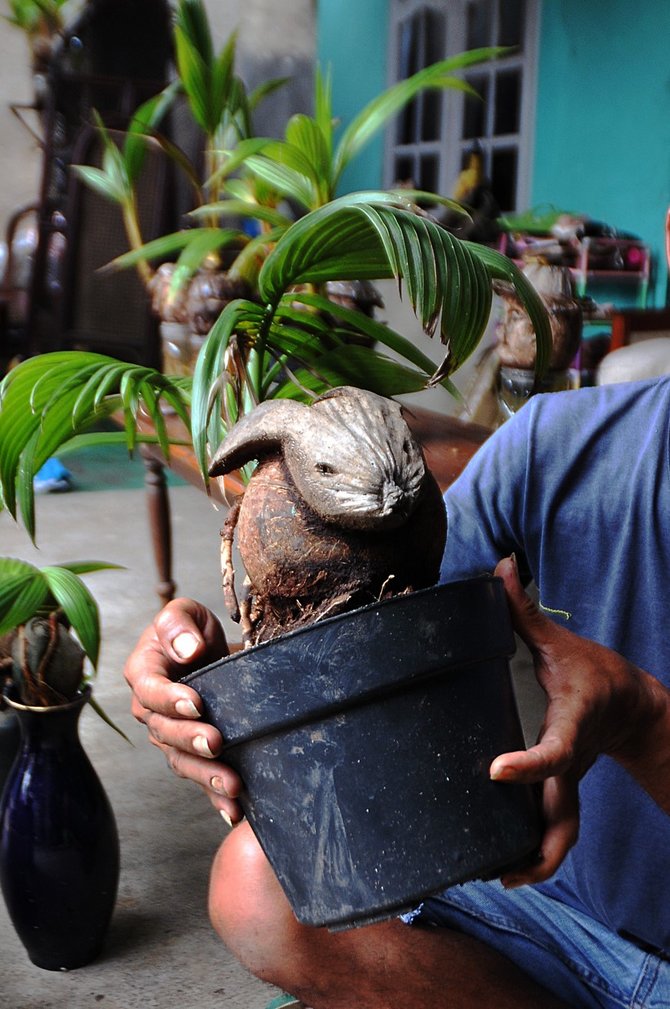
column 350, row 454
column 360, row 466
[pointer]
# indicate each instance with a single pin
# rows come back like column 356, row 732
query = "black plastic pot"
column 364, row 743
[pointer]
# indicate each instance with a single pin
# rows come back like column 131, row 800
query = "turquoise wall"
column 603, row 115
column 602, row 144
column 352, row 38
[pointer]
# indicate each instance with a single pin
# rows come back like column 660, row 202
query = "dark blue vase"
column 59, row 848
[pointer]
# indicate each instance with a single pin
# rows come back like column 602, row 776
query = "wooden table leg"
column 160, row 523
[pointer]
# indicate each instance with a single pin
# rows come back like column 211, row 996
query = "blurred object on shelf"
column 517, row 385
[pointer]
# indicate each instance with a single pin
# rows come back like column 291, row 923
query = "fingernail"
column 185, row 645
column 226, row 819
column 498, row 772
column 184, row 706
column 216, row 784
column 200, row 745
column 513, row 559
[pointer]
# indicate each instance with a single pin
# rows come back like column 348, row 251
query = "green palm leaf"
column 209, row 374
column 47, row 400
column 356, row 366
column 22, row 592
column 79, row 606
column 443, row 276
column 286, row 179
column 377, row 113
column 143, row 123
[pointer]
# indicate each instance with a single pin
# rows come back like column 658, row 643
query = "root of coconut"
column 275, row 616
column 300, row 569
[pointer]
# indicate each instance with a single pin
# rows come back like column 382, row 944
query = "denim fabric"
column 571, row 954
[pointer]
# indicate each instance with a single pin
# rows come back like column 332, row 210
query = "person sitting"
column 573, row 492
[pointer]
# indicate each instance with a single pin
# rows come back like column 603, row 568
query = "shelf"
column 578, row 256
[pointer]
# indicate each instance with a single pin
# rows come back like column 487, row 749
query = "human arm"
column 597, row 703
column 183, row 636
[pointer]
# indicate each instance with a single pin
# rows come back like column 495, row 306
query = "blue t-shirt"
column 577, row 484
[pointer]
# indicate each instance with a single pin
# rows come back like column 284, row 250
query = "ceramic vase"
column 59, row 848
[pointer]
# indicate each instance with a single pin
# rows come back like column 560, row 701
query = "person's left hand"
column 597, row 703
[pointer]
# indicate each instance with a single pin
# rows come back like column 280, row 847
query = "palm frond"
column 47, row 400
column 361, row 236
column 446, row 279
column 377, row 113
column 209, row 375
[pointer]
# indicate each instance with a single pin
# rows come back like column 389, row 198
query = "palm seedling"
column 221, row 108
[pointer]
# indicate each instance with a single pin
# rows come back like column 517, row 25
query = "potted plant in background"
column 59, row 849
column 258, row 180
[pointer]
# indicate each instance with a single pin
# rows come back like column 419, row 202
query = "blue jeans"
column 575, row 957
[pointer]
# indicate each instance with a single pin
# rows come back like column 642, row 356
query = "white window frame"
column 451, row 146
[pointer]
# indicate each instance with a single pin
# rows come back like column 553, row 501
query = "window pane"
column 407, row 48
column 435, row 36
column 404, row 170
column 474, row 109
column 512, row 14
column 507, row 104
column 428, row 173
column 479, row 25
column 407, row 65
column 431, row 115
column 504, row 172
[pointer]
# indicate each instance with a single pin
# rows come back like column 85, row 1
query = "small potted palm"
column 59, row 849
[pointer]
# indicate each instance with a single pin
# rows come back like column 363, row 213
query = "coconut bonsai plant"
column 292, row 345
column 59, row 850
column 268, row 357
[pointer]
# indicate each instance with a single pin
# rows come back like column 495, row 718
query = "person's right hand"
column 184, row 636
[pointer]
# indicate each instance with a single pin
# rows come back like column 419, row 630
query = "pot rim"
column 353, row 658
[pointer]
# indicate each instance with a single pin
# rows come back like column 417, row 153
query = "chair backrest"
column 116, row 55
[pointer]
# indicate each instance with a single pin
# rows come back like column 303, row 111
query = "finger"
column 220, row 783
column 198, row 738
column 151, row 691
column 528, row 621
column 189, row 631
column 552, row 756
column 560, row 807
column 213, row 776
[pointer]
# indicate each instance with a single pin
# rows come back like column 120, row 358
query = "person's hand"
column 184, row 636
column 597, row 703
